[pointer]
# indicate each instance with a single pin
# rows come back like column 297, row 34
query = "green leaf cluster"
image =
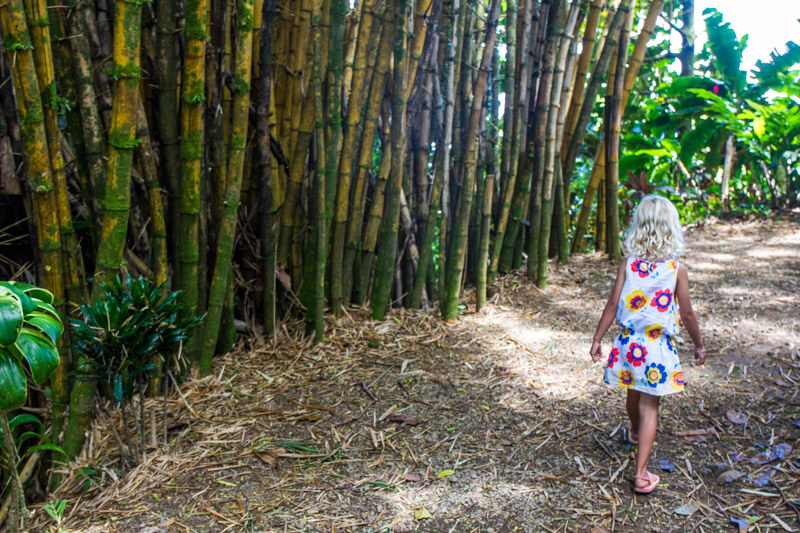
column 120, row 332
column 29, row 330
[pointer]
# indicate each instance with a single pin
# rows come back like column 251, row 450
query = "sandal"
column 633, row 438
column 652, row 481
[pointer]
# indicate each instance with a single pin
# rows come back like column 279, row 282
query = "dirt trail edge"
column 497, row 423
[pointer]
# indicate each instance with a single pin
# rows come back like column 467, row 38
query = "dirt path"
column 497, row 423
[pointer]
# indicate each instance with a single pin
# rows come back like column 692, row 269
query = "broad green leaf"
column 34, row 292
column 44, row 307
column 13, row 385
column 46, row 323
column 697, row 139
column 25, row 418
column 11, row 317
column 445, row 473
column 27, row 302
column 40, row 352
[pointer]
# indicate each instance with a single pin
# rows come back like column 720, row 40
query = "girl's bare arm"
column 687, row 314
column 609, row 313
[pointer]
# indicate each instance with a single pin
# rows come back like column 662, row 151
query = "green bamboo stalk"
column 634, row 63
column 508, row 178
column 550, row 161
column 81, row 409
column 263, row 95
column 592, row 89
column 39, row 26
column 333, row 119
column 483, row 245
column 239, row 122
column 167, row 75
column 159, row 264
column 614, row 103
column 355, row 115
column 93, row 139
column 384, row 272
column 456, row 250
column 316, row 311
column 354, row 244
column 191, row 155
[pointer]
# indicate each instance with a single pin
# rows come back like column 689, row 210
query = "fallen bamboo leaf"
column 687, row 509
column 422, row 514
column 403, row 420
column 736, row 417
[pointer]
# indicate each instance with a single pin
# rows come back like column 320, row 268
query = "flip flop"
column 652, row 481
column 633, row 438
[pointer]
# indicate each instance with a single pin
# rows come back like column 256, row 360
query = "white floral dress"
column 643, row 356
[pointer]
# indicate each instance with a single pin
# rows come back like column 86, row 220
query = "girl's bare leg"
column 632, row 406
column 648, row 421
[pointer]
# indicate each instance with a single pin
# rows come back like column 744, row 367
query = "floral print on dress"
column 613, row 357
column 662, row 300
column 653, row 331
column 636, row 300
column 624, row 336
column 644, row 356
column 643, row 268
column 636, row 354
column 670, row 344
column 676, row 380
column 625, row 379
column 656, row 374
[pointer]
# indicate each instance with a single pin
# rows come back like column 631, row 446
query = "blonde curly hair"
column 655, row 231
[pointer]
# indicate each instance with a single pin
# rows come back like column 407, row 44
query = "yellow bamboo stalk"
column 598, row 170
column 422, row 9
column 39, row 26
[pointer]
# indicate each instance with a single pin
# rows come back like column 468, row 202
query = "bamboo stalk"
column 548, row 189
column 385, row 266
column 612, row 152
column 634, row 64
column 587, row 49
column 354, row 117
column 598, row 73
column 121, row 141
column 483, row 249
column 191, row 155
column 355, row 244
column 159, row 264
column 508, row 177
column 263, row 95
column 457, row 248
column 167, row 72
column 223, row 264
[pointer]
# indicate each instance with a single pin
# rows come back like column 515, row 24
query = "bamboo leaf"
column 13, row 386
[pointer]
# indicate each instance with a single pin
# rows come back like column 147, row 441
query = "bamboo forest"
column 335, row 265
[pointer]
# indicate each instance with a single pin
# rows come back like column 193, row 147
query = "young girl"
column 643, row 358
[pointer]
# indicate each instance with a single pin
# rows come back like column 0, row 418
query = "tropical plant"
column 29, row 330
column 124, row 339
